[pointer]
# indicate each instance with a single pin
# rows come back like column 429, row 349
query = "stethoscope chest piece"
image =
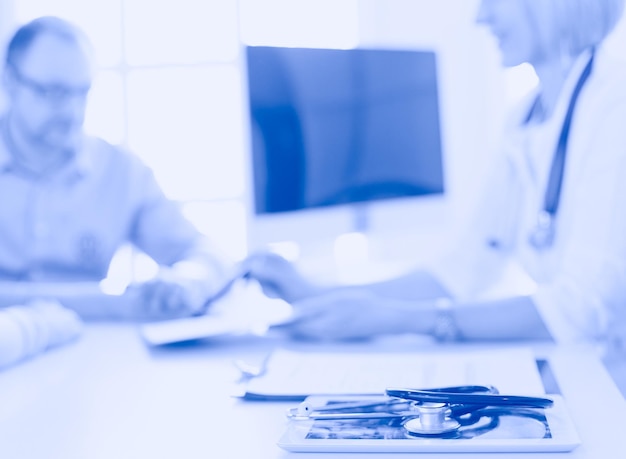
column 542, row 235
column 433, row 419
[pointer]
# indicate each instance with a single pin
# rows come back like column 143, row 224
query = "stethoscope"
column 441, row 412
column 542, row 236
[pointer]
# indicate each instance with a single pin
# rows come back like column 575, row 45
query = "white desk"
column 109, row 396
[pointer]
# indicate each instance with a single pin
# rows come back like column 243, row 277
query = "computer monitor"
column 336, row 127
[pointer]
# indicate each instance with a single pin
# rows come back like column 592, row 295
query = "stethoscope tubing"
column 460, row 398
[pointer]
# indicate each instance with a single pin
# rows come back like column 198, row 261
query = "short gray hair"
column 574, row 25
column 28, row 33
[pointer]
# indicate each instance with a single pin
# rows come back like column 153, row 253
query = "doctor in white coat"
column 553, row 219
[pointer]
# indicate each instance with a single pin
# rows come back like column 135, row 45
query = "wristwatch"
column 445, row 328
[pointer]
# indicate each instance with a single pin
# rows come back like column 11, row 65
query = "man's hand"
column 161, row 299
column 278, row 277
column 62, row 324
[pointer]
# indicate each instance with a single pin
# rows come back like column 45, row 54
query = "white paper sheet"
column 243, row 310
column 513, row 371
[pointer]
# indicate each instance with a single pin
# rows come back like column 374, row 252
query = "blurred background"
column 172, row 88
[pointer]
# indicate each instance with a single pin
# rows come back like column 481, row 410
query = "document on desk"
column 244, row 310
column 291, row 375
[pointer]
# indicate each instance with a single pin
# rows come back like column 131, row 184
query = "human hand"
column 278, row 277
column 61, row 324
column 352, row 314
column 160, row 299
column 27, row 330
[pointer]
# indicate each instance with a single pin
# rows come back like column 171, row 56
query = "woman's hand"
column 349, row 314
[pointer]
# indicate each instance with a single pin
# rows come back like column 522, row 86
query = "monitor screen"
column 333, row 127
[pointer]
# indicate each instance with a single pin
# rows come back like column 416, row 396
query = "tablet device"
column 547, row 430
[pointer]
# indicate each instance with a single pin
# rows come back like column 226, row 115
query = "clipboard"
column 291, row 375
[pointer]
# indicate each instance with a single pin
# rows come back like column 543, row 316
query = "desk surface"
column 109, row 396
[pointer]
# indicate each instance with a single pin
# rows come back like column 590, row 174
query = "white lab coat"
column 579, row 283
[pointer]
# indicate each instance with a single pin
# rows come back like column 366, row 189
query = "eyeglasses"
column 52, row 93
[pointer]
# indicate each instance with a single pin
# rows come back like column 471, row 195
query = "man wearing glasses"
column 69, row 201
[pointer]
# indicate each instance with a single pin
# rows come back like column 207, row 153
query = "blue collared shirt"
column 67, row 226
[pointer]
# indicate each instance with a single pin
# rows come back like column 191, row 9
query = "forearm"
column 102, row 307
column 507, row 319
column 203, row 260
column 86, row 299
column 413, row 286
column 513, row 318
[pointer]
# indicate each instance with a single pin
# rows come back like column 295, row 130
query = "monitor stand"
column 352, row 249
column 360, row 217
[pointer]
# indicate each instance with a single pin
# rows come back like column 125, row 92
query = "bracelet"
column 445, row 329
